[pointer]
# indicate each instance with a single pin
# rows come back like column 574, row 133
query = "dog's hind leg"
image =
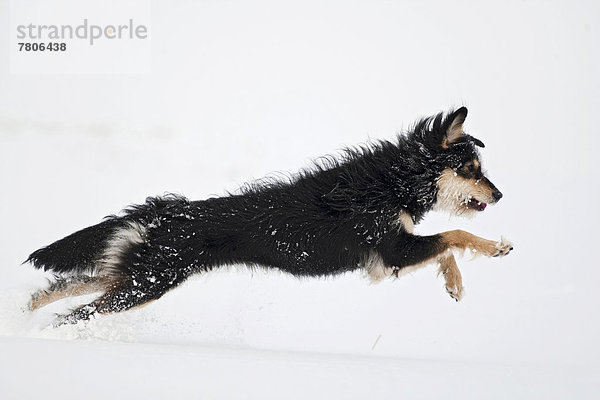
column 128, row 293
column 69, row 286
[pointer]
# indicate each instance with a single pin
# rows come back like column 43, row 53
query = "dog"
column 356, row 211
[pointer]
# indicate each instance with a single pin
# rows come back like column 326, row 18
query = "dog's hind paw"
column 36, row 300
column 82, row 313
column 503, row 247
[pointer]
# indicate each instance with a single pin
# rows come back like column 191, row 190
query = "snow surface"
column 239, row 91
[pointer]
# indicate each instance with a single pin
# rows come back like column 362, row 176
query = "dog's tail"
column 91, row 249
column 103, row 249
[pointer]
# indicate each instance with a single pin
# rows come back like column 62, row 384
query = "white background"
column 241, row 90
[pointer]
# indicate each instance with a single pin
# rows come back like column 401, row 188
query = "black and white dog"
column 356, row 212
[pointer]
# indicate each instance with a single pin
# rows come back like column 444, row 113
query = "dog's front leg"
column 404, row 249
column 452, row 276
column 407, row 251
column 461, row 240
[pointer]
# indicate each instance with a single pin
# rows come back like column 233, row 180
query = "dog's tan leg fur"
column 451, row 273
column 44, row 297
column 461, row 240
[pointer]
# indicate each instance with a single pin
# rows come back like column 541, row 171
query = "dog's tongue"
column 477, row 205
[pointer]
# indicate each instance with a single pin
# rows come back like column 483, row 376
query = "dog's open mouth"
column 476, row 205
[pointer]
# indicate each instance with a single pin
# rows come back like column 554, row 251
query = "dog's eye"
column 470, row 167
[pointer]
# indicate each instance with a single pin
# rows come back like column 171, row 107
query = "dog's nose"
column 497, row 195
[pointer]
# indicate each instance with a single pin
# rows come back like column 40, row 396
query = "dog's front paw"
column 452, row 276
column 503, row 247
column 456, row 292
column 454, row 285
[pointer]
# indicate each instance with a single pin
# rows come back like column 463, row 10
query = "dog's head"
column 462, row 187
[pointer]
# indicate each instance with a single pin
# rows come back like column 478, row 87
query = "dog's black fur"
column 324, row 221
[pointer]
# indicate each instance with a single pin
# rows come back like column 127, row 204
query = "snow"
column 239, row 91
column 171, row 371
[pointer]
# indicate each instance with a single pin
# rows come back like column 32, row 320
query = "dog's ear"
column 454, row 127
column 475, row 141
